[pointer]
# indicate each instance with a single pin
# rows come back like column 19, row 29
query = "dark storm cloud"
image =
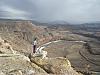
column 73, row 11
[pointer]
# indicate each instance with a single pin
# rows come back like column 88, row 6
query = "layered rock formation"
column 20, row 34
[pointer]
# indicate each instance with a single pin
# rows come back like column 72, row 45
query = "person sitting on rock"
column 34, row 45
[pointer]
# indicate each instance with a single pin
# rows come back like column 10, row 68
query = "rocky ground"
column 13, row 63
column 73, row 53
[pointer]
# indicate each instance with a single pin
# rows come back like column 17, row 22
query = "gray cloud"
column 73, row 11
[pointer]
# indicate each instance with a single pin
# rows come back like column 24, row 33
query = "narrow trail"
column 46, row 44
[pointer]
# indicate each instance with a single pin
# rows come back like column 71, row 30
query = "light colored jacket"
column 35, row 42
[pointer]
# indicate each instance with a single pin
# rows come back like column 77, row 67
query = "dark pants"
column 34, row 48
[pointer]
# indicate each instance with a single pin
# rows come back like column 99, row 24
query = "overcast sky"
column 72, row 11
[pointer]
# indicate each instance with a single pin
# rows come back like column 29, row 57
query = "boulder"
column 5, row 47
column 57, row 65
column 17, row 64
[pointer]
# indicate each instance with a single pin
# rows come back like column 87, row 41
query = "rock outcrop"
column 5, row 48
column 15, row 64
column 18, row 65
column 57, row 66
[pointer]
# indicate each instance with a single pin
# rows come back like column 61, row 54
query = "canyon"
column 81, row 51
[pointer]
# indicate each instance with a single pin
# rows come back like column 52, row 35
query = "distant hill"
column 58, row 22
column 1, row 19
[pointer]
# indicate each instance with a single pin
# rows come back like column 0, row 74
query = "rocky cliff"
column 21, row 33
column 17, row 45
column 23, row 29
column 14, row 63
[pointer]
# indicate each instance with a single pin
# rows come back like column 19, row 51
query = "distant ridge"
column 59, row 22
column 3, row 19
